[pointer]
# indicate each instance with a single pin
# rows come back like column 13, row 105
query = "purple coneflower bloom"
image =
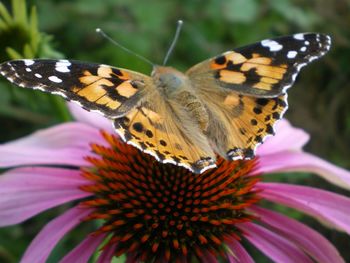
column 153, row 212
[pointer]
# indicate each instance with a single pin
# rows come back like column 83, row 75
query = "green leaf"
column 13, row 54
column 294, row 13
column 60, row 108
column 244, row 11
column 23, row 114
column 19, row 9
column 5, row 14
column 28, row 51
column 5, row 94
column 3, row 25
column 33, row 25
column 46, row 50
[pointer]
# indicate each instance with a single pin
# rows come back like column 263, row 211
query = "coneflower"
column 154, row 212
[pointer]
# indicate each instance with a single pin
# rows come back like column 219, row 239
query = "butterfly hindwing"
column 263, row 69
column 108, row 90
column 154, row 128
column 239, row 123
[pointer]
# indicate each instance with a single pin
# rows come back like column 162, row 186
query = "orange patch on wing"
column 94, row 91
column 153, row 116
column 265, row 70
column 213, row 65
column 75, row 89
column 262, row 85
column 126, row 89
column 236, row 58
column 87, row 80
column 256, row 55
column 87, row 73
column 107, row 101
column 232, row 77
column 269, row 80
column 124, row 76
column 231, row 100
column 260, row 60
column 105, row 72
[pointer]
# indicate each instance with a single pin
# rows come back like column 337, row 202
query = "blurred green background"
column 319, row 100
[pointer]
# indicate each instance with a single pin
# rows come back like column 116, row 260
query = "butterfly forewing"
column 108, row 90
column 243, row 89
column 263, row 69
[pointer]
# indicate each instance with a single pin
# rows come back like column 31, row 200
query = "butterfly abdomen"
column 194, row 107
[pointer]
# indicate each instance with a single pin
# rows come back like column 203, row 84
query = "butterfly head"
column 168, row 78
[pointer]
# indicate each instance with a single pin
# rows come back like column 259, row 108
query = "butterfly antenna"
column 171, row 48
column 103, row 34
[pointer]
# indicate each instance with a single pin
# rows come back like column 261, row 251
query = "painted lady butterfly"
column 227, row 104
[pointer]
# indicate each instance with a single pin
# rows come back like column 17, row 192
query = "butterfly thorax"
column 176, row 87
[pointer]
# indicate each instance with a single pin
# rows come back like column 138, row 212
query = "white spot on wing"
column 28, row 62
column 303, row 49
column 28, row 70
column 55, row 79
column 59, row 93
column 206, row 168
column 299, row 36
column 166, row 160
column 38, row 88
column 271, row 44
column 62, row 66
column 292, row 54
column 38, row 75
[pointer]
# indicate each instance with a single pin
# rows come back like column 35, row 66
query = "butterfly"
column 226, row 105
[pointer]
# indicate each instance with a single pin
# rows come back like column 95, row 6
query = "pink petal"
column 304, row 162
column 308, row 239
column 107, row 254
column 324, row 205
column 287, row 138
column 91, row 118
column 41, row 247
column 83, row 252
column 65, row 144
column 273, row 245
column 26, row 192
column 240, row 255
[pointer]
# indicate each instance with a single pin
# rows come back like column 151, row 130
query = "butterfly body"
column 225, row 105
column 177, row 90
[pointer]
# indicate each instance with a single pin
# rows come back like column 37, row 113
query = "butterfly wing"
column 264, row 69
column 164, row 130
column 105, row 89
column 141, row 116
column 244, row 89
column 239, row 123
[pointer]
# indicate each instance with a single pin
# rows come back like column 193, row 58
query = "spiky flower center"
column 160, row 212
